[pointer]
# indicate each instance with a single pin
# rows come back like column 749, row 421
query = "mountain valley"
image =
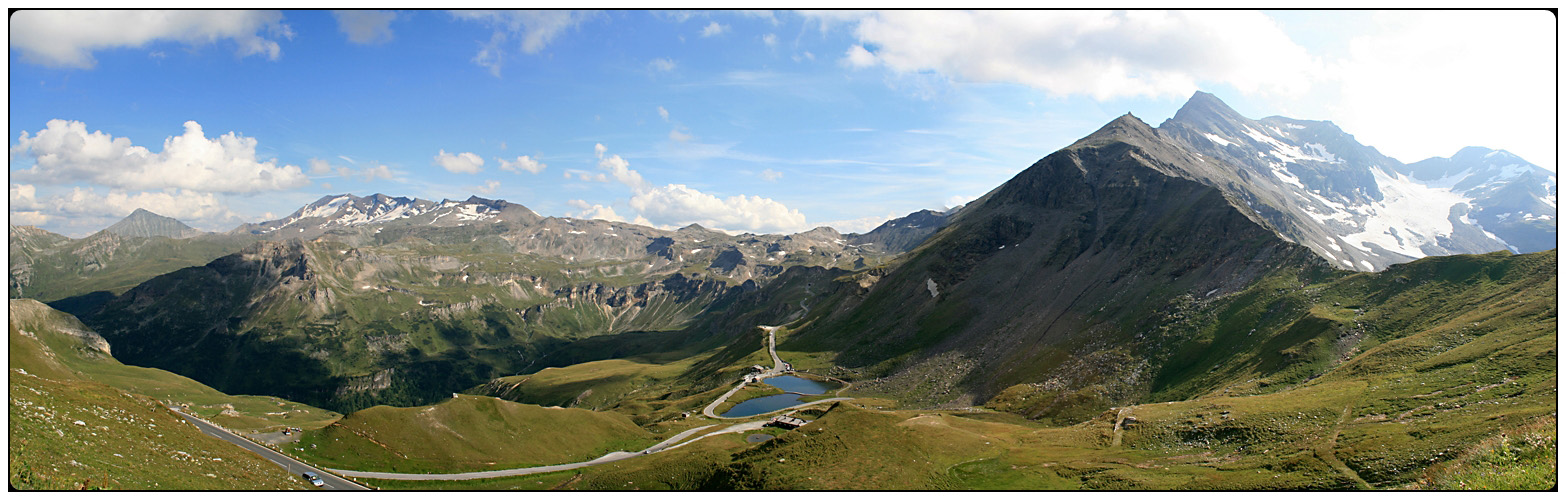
column 1213, row 303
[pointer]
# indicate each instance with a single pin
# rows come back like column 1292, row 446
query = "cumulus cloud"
column 679, row 205
column 520, row 164
column 713, row 29
column 67, row 38
column 87, row 208
column 365, row 27
column 678, row 136
column 771, row 175
column 770, row 39
column 1097, row 53
column 619, row 168
column 535, row 28
column 64, row 152
column 587, row 210
column 663, row 113
column 459, row 163
column 661, row 64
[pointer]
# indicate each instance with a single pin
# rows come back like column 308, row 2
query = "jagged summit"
column 347, row 210
column 142, row 223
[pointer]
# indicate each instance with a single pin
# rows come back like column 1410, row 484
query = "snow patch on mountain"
column 1410, row 215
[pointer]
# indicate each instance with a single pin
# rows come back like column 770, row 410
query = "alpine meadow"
column 731, row 250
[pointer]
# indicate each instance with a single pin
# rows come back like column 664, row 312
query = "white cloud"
column 67, row 38
column 678, row 205
column 861, row 225
column 771, row 175
column 29, row 218
column 522, row 163
column 459, row 163
column 489, row 187
column 713, row 29
column 536, row 28
column 1428, row 83
column 858, row 57
column 592, row 211
column 619, row 168
column 770, row 39
column 491, row 55
column 1096, row 53
column 662, row 64
column 663, row 113
column 87, row 207
column 366, row 27
column 64, row 152
column 679, row 136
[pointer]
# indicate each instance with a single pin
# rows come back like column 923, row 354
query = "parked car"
column 313, row 479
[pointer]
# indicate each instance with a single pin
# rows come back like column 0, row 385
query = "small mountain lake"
column 791, row 383
column 776, row 402
column 762, row 404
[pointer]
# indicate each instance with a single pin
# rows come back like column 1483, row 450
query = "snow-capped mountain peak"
column 1357, row 207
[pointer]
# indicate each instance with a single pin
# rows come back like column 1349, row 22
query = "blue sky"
column 745, row 121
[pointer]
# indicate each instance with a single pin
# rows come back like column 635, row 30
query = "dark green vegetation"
column 70, row 430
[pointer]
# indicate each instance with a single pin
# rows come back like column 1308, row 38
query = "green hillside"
column 468, row 433
column 1408, row 378
column 51, row 344
column 78, row 420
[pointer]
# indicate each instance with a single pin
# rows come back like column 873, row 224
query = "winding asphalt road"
column 293, row 466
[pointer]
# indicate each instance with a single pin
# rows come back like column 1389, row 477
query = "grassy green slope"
column 1367, row 380
column 125, row 440
column 468, row 433
column 46, row 349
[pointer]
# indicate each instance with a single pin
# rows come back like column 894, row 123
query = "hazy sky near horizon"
column 749, row 121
